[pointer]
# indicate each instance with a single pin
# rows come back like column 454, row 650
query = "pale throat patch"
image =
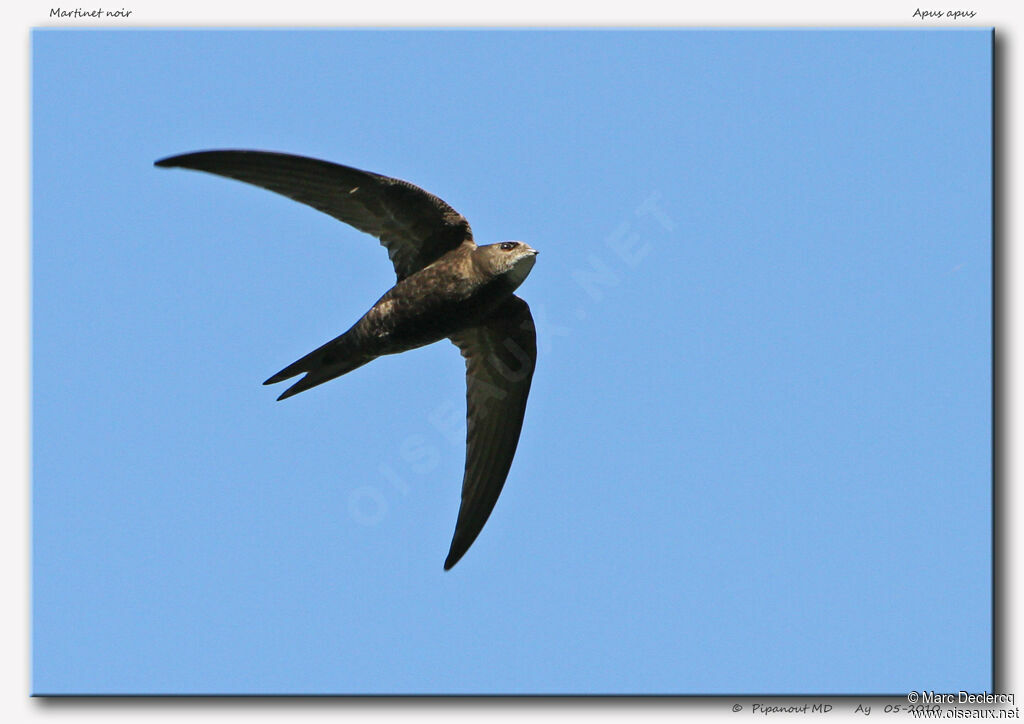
column 521, row 269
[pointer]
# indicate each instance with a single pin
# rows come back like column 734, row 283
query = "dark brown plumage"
column 447, row 287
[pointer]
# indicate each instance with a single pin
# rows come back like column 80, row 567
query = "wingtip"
column 193, row 159
column 454, row 557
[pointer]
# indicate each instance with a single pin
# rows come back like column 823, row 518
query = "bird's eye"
column 508, row 245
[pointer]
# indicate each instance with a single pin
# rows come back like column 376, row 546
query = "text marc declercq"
column 963, row 697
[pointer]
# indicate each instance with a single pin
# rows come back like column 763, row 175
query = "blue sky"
column 756, row 457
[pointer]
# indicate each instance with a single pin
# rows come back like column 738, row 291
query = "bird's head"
column 512, row 260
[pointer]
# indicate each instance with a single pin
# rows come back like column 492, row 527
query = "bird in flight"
column 447, row 287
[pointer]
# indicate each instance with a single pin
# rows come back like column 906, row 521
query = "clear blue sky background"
column 756, row 457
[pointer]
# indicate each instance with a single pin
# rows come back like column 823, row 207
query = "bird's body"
column 436, row 302
column 455, row 293
column 448, row 287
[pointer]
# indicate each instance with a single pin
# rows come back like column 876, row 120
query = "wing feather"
column 501, row 355
column 416, row 227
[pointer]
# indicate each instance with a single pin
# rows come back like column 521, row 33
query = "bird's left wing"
column 501, row 354
column 416, row 227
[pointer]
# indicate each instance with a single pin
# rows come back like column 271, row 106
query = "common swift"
column 447, row 287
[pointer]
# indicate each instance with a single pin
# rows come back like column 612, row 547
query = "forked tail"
column 333, row 359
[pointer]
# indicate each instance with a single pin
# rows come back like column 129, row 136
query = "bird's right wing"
column 501, row 354
column 416, row 227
